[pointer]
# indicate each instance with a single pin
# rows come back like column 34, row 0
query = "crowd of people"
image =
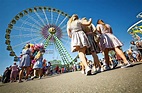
column 31, row 65
column 86, row 39
column 13, row 72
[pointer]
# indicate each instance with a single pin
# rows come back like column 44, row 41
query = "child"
column 14, row 72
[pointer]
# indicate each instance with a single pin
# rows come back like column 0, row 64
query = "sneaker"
column 28, row 79
column 88, row 71
column 102, row 69
column 99, row 70
column 94, row 71
column 11, row 81
column 39, row 78
column 32, row 78
column 125, row 66
column 83, row 72
column 107, row 68
column 114, row 65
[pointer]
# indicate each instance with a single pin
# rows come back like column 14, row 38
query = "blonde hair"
column 27, row 46
column 38, row 55
column 86, row 28
column 71, row 19
column 84, row 18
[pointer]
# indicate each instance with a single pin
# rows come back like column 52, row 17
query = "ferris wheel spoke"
column 29, row 24
column 38, row 41
column 57, row 18
column 64, row 32
column 24, row 35
column 25, row 29
column 59, row 32
column 64, row 27
column 41, row 40
column 25, row 42
column 65, row 37
column 45, row 16
column 33, row 19
column 51, row 17
column 40, row 18
column 65, row 40
column 62, row 21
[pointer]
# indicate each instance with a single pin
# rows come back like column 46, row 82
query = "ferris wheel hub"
column 52, row 30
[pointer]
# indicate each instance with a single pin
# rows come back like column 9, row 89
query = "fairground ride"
column 38, row 25
column 136, row 29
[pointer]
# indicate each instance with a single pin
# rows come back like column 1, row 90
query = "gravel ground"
column 119, row 80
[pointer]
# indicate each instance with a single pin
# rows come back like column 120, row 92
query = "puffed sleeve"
column 93, row 27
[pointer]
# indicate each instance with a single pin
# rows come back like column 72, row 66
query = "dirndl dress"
column 25, row 59
column 79, row 38
column 107, row 39
column 38, row 64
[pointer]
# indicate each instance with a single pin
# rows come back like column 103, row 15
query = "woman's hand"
column 90, row 19
column 70, row 36
column 69, row 33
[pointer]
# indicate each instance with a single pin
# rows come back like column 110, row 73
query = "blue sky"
column 120, row 14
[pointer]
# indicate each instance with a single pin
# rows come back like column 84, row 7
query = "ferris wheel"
column 37, row 25
column 136, row 29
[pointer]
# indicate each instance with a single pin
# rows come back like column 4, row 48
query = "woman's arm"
column 86, row 23
column 69, row 33
column 98, row 29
